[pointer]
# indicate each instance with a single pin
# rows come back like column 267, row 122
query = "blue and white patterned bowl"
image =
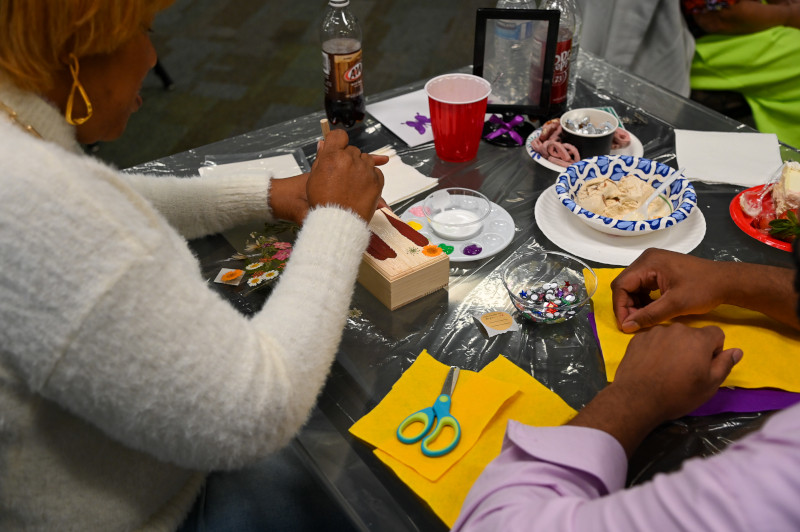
column 680, row 193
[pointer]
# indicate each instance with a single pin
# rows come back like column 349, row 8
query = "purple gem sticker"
column 473, row 249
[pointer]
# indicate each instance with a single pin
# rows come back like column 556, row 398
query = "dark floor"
column 240, row 65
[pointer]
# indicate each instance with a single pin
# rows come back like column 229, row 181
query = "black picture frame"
column 482, row 65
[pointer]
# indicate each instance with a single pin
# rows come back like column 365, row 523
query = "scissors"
column 440, row 411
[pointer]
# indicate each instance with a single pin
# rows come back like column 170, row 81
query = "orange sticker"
column 432, row 251
column 231, row 275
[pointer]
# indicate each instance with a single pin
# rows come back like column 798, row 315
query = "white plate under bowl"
column 573, row 236
column 497, row 233
column 635, row 148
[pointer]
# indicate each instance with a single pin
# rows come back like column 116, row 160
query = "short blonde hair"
column 37, row 35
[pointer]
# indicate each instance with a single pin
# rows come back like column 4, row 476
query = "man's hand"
column 667, row 372
column 688, row 285
column 671, row 370
column 342, row 175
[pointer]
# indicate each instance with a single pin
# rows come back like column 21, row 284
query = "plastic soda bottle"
column 341, row 65
column 509, row 72
column 564, row 59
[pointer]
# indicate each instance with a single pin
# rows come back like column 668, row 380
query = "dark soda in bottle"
column 562, row 77
column 341, row 64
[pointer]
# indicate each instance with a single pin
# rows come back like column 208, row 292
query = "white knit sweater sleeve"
column 199, row 206
column 105, row 313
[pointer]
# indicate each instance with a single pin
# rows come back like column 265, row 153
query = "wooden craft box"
column 395, row 269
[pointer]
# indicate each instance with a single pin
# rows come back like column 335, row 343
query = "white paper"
column 280, row 166
column 744, row 159
column 401, row 181
column 407, row 116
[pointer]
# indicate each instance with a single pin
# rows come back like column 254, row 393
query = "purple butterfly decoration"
column 419, row 123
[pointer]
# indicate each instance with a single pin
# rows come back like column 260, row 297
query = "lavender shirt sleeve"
column 571, row 478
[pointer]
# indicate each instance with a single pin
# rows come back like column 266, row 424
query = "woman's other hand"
column 288, row 199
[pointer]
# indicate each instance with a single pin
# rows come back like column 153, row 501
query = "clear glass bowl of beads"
column 549, row 286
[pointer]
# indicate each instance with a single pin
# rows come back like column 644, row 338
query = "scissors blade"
column 450, row 381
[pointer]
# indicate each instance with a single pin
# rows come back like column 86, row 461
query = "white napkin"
column 407, row 116
column 279, row 166
column 744, row 159
column 401, row 181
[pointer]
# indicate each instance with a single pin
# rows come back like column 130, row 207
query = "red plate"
column 743, row 222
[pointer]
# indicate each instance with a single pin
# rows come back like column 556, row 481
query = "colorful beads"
column 549, row 302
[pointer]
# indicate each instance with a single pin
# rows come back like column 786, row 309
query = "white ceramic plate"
column 497, row 233
column 635, row 148
column 573, row 236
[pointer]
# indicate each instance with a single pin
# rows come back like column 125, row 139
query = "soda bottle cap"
column 339, row 3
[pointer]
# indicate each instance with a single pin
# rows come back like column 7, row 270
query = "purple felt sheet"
column 735, row 399
column 746, row 400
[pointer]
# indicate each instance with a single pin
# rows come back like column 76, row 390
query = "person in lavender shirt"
column 572, row 477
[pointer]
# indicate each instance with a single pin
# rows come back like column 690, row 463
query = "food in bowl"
column 774, row 208
column 680, row 193
column 549, row 286
column 622, row 199
column 551, row 145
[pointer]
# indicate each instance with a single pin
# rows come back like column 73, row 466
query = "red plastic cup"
column 458, row 106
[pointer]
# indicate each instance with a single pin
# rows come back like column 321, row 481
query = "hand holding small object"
column 342, row 175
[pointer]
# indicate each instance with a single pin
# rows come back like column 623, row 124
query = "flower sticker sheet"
column 407, row 116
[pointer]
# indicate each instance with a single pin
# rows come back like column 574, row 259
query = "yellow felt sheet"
column 530, row 402
column 474, row 403
column 771, row 349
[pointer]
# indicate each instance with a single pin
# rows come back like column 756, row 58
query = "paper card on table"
column 534, row 405
column 770, row 348
column 229, row 276
column 407, row 116
column 475, row 401
column 400, row 180
column 496, row 322
column 279, row 166
column 744, row 159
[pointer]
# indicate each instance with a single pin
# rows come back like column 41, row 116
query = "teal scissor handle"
column 424, row 416
column 441, row 412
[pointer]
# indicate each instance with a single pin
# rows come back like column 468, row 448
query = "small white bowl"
column 456, row 213
column 589, row 145
column 680, row 194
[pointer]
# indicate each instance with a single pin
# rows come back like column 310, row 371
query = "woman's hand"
column 288, row 199
column 342, row 175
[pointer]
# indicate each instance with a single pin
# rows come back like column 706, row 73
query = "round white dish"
column 495, row 235
column 635, row 148
column 680, row 194
column 573, row 236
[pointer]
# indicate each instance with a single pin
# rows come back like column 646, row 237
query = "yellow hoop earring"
column 74, row 68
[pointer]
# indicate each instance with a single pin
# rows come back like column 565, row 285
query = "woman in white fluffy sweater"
column 123, row 378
